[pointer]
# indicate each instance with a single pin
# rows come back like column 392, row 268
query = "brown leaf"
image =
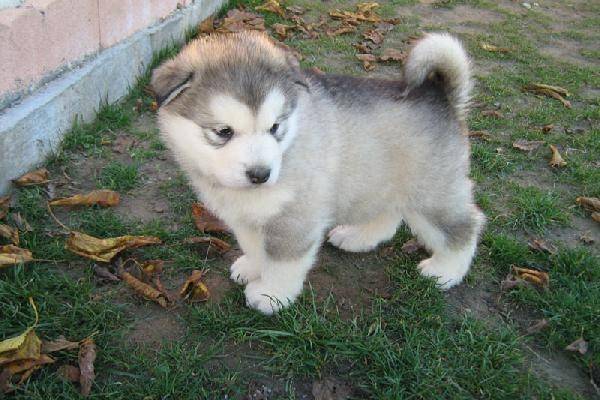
column 494, row 49
column 154, row 106
column 207, row 26
column 104, row 273
column 527, row 145
column 22, row 347
column 538, row 326
column 368, row 61
column 237, row 20
column 596, row 216
column 105, row 249
column 557, row 160
column 538, row 278
column 69, row 373
column 340, row 30
column 87, row 356
column 580, row 346
column 374, row 36
column 296, row 10
column 145, row 290
column 555, row 92
column 4, row 205
column 21, row 222
column 206, row 221
column 542, row 246
column 282, row 30
column 492, row 113
column 16, row 367
column 37, row 177
column 411, row 246
column 10, row 233
column 392, row 55
column 363, row 47
column 547, row 128
column 271, row 6
column 151, row 268
column 193, row 289
column 11, row 255
column 103, row 198
column 219, row 245
column 589, row 203
column 479, row 135
column 57, row 345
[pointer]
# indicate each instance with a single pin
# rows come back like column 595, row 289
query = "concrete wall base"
column 34, row 128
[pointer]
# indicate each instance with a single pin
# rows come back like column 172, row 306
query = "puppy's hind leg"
column 364, row 237
column 452, row 239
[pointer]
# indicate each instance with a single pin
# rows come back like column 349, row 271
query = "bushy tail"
column 443, row 55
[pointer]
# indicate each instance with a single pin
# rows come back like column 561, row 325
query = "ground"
column 367, row 324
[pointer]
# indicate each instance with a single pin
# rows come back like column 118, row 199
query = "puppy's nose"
column 258, row 175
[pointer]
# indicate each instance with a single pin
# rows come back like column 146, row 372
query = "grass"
column 413, row 343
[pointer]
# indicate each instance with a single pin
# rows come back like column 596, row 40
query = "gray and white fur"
column 288, row 157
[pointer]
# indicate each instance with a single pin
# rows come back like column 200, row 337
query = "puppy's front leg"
column 289, row 253
column 248, row 267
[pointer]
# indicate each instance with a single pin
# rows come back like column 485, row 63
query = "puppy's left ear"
column 293, row 60
column 170, row 80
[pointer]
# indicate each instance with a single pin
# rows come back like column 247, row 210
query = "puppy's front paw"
column 446, row 275
column 244, row 271
column 266, row 298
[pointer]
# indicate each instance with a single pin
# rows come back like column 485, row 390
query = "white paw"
column 266, row 299
column 244, row 271
column 351, row 238
column 446, row 275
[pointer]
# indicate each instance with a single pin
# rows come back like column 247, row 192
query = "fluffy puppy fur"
column 287, row 157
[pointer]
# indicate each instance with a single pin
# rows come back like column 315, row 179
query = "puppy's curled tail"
column 441, row 56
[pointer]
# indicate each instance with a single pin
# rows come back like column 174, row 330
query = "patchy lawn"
column 367, row 324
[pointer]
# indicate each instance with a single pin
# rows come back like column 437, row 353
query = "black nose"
column 258, row 175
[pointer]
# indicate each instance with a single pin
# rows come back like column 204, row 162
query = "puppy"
column 287, row 157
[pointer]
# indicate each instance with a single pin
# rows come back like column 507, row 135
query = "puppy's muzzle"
column 258, row 175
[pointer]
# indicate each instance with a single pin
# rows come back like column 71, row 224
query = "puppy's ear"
column 293, row 60
column 170, row 80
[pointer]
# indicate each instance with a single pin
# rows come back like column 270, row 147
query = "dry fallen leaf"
column 103, row 198
column 10, row 233
column 11, row 255
column 69, row 373
column 527, row 145
column 492, row 113
column 151, row 268
column 479, row 135
column 596, row 216
column 368, row 61
column 206, row 221
column 374, row 36
column 296, row 10
column 492, row 48
column 105, row 274
column 4, row 205
column 392, row 55
column 193, row 289
column 24, row 346
column 25, row 367
column 237, row 20
column 145, row 290
column 271, row 6
column 542, row 246
column 282, row 30
column 580, row 346
column 340, row 30
column 57, row 345
column 219, row 245
column 589, row 203
column 153, row 106
column 557, row 160
column 538, row 278
column 555, row 92
column 207, row 26
column 547, row 128
column 37, row 177
column 538, row 326
column 21, row 222
column 105, row 249
column 87, row 356
column 411, row 246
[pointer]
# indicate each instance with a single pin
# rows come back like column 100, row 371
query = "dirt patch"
column 353, row 279
column 460, row 14
column 154, row 326
column 566, row 51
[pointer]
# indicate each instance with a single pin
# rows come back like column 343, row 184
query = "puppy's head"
column 228, row 107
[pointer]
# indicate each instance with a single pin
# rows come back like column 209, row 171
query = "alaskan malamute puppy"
column 287, row 157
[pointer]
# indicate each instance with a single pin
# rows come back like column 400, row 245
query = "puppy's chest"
column 246, row 207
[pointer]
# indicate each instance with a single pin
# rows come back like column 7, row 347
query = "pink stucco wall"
column 41, row 36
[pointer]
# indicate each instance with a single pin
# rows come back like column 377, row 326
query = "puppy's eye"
column 225, row 133
column 274, row 129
